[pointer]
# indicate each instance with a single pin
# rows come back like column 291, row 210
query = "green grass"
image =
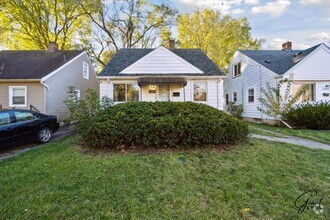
column 315, row 135
column 263, row 178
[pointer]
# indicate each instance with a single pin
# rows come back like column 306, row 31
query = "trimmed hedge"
column 310, row 116
column 163, row 124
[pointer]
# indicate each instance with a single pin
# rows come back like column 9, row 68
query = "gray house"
column 40, row 79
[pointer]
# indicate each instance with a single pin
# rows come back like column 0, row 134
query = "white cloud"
column 276, row 44
column 252, row 2
column 310, row 2
column 225, row 5
column 275, row 9
column 319, row 36
column 237, row 11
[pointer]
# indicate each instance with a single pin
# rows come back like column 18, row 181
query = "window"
column 4, row 118
column 235, row 97
column 76, row 93
column 251, row 95
column 85, row 70
column 24, row 116
column 125, row 92
column 237, row 70
column 227, row 99
column 17, row 96
column 309, row 93
column 200, row 92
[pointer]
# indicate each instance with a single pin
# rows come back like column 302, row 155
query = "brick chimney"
column 171, row 44
column 287, row 46
column 52, row 47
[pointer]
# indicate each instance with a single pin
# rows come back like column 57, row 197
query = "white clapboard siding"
column 161, row 61
column 250, row 79
column 212, row 93
column 316, row 66
column 104, row 89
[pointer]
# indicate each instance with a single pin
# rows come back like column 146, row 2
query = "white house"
column 250, row 70
column 162, row 74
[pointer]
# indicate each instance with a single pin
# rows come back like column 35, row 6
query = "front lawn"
column 256, row 180
column 315, row 135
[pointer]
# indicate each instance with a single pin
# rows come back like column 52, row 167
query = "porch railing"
column 32, row 108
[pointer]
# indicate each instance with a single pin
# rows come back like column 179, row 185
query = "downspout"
column 262, row 116
column 184, row 93
column 43, row 83
column 45, row 95
column 218, row 96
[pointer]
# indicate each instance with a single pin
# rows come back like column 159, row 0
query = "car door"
column 27, row 125
column 7, row 129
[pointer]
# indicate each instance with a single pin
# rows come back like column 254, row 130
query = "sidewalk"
column 291, row 140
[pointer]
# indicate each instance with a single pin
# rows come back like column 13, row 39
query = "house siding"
column 161, row 61
column 314, row 69
column 71, row 75
column 253, row 76
column 35, row 95
column 214, row 91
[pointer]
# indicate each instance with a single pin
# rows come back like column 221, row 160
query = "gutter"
column 167, row 76
column 19, row 80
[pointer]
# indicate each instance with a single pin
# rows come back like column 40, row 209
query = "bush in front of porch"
column 163, row 124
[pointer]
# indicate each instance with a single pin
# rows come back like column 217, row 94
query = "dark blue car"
column 17, row 126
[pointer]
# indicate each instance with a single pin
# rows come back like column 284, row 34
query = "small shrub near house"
column 83, row 110
column 310, row 116
column 163, row 124
column 235, row 110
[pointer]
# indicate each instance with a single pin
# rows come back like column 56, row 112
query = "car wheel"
column 44, row 135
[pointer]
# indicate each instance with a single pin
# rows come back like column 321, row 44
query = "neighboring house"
column 250, row 70
column 162, row 74
column 40, row 79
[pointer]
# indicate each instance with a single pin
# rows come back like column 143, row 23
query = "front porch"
column 206, row 90
column 162, row 89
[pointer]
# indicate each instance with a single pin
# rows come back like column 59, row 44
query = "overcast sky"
column 304, row 22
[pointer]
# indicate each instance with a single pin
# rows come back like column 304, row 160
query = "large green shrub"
column 163, row 124
column 310, row 115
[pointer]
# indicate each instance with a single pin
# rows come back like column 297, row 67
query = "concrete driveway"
column 15, row 150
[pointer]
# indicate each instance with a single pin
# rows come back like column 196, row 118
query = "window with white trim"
column 227, row 99
column 17, row 96
column 76, row 93
column 126, row 92
column 200, row 91
column 237, row 70
column 85, row 70
column 250, row 95
column 235, row 97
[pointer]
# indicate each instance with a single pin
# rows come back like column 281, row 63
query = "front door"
column 164, row 92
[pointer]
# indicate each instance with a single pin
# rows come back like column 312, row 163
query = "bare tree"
column 126, row 24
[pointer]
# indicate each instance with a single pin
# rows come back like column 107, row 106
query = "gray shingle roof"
column 125, row 57
column 280, row 61
column 33, row 64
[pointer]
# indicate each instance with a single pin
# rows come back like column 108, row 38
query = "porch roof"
column 162, row 80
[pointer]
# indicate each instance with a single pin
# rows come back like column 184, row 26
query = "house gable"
column 161, row 61
column 315, row 66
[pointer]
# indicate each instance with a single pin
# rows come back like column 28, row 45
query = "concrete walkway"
column 290, row 140
column 16, row 150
